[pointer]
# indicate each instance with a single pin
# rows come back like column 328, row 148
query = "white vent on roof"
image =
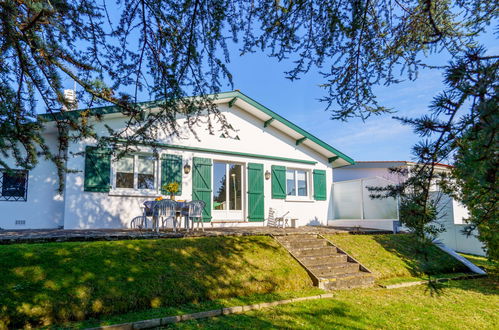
column 70, row 97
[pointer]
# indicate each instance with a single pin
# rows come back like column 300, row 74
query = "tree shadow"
column 331, row 314
column 421, row 258
column 425, row 260
column 52, row 283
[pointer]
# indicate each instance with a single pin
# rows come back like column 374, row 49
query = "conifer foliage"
column 462, row 128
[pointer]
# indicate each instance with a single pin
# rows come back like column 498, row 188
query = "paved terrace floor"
column 68, row 235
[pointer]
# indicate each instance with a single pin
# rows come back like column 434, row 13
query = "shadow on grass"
column 329, row 314
column 426, row 261
column 421, row 259
column 43, row 284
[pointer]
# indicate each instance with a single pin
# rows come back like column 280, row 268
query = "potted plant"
column 171, row 188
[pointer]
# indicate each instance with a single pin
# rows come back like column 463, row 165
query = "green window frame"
column 171, row 171
column 320, row 185
column 97, row 172
column 278, row 181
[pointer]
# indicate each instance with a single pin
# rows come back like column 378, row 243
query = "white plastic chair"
column 163, row 211
column 138, row 222
column 274, row 221
column 196, row 213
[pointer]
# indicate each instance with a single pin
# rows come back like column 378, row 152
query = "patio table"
column 181, row 209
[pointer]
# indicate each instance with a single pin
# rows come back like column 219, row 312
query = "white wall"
column 451, row 216
column 105, row 210
column 44, row 207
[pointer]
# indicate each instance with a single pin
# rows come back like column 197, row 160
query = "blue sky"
column 378, row 138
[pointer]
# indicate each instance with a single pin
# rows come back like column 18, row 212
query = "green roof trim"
column 231, row 102
column 300, row 141
column 234, row 96
column 268, row 122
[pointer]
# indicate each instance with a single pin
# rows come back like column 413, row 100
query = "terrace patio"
column 70, row 235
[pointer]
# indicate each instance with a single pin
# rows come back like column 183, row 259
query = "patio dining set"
column 162, row 211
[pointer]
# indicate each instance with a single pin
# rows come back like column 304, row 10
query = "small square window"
column 296, row 183
column 14, row 185
column 136, row 172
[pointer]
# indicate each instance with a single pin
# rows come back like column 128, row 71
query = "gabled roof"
column 268, row 117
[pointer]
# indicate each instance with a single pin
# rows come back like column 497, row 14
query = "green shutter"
column 255, row 192
column 278, row 182
column 97, row 169
column 201, row 184
column 320, row 186
column 171, row 171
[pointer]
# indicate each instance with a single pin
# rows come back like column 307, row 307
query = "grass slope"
column 47, row 283
column 470, row 304
column 395, row 256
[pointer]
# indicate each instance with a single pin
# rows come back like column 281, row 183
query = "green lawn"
column 51, row 283
column 469, row 304
column 396, row 258
column 121, row 281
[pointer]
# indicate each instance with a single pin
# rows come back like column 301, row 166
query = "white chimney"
column 70, row 97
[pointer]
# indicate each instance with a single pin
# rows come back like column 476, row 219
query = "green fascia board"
column 268, row 122
column 231, row 102
column 300, row 141
column 220, row 96
column 223, row 152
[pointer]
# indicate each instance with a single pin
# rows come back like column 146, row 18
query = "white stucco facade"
column 44, row 207
column 270, row 145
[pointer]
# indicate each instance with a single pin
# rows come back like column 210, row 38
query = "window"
column 227, row 184
column 136, row 172
column 13, row 185
column 296, row 183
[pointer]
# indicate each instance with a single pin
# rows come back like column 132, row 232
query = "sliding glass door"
column 227, row 191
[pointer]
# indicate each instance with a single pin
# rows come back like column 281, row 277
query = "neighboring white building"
column 229, row 174
column 353, row 207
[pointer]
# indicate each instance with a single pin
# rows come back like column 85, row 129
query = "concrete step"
column 314, row 251
column 329, row 267
column 305, row 244
column 294, row 238
column 319, row 260
column 335, row 269
column 346, row 281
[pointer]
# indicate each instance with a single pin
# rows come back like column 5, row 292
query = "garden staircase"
column 329, row 266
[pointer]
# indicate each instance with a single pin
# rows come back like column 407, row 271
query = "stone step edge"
column 152, row 323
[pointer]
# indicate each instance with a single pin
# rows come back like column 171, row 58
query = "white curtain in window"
column 125, row 165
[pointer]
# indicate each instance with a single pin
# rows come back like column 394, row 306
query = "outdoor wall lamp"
column 187, row 168
column 267, row 175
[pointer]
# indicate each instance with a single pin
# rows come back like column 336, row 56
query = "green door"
column 201, row 184
column 255, row 192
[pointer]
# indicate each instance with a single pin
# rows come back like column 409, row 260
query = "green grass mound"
column 44, row 284
column 397, row 256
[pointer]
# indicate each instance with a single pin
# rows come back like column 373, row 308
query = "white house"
column 352, row 205
column 271, row 163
